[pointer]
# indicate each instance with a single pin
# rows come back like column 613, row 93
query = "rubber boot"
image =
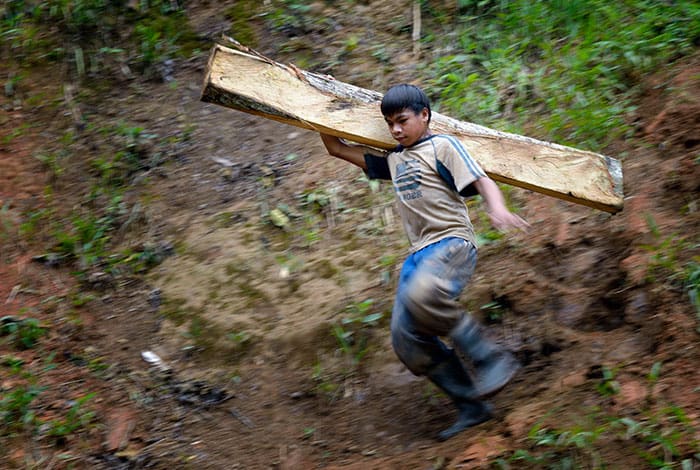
column 451, row 377
column 494, row 366
column 471, row 413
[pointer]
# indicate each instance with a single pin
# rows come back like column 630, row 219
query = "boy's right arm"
column 349, row 153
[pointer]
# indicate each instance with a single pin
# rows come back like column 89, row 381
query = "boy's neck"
column 423, row 138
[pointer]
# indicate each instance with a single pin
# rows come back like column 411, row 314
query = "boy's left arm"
column 501, row 217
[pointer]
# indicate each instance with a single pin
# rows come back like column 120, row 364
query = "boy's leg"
column 424, row 354
column 494, row 366
column 427, row 355
column 431, row 296
column 430, row 293
column 414, row 330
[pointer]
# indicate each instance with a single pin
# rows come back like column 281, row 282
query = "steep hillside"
column 140, row 225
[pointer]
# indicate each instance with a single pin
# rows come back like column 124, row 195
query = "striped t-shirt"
column 430, row 178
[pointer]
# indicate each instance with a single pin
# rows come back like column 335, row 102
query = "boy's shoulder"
column 445, row 138
column 432, row 140
column 446, row 142
column 438, row 142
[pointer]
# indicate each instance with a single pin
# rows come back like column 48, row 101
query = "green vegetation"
column 662, row 440
column 82, row 33
column 563, row 71
column 608, row 386
column 290, row 15
column 570, row 68
column 559, row 449
column 325, row 383
column 692, row 284
column 18, row 414
column 665, row 263
column 354, row 335
column 241, row 14
column 23, row 334
column 353, row 331
column 15, row 407
column 493, row 311
column 77, row 418
column 82, row 237
column 18, row 408
column 661, row 436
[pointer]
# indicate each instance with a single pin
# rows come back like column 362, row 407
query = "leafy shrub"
column 15, row 408
column 23, row 334
column 76, row 419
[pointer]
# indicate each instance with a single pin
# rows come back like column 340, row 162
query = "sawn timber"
column 240, row 78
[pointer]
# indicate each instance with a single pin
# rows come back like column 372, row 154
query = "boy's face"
column 407, row 127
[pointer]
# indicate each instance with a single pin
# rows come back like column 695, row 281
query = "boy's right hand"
column 349, row 153
column 502, row 219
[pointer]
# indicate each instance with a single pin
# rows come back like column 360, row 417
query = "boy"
column 431, row 174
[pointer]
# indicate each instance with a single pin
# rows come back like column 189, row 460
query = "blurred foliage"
column 568, row 67
column 84, row 34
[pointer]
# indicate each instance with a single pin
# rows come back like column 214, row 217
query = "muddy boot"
column 471, row 413
column 451, row 377
column 494, row 367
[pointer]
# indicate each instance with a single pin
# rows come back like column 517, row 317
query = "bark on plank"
column 242, row 79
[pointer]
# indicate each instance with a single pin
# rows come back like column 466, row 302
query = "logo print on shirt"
column 408, row 180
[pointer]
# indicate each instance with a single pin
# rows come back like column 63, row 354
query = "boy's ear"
column 425, row 114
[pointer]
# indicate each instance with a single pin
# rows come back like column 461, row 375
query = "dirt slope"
column 242, row 311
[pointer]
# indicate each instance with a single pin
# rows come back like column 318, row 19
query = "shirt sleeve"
column 377, row 167
column 461, row 169
column 469, row 191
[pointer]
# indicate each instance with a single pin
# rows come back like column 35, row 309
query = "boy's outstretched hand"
column 504, row 219
column 501, row 218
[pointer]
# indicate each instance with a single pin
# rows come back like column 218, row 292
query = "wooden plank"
column 240, row 78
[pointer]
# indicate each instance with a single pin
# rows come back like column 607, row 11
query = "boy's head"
column 406, row 110
column 405, row 96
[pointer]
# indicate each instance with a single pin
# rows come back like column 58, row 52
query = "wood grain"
column 242, row 79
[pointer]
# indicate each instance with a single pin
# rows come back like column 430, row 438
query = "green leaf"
column 373, row 317
column 278, row 218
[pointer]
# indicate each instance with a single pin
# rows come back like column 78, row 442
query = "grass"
column 665, row 260
column 559, row 449
column 493, row 311
column 241, row 15
column 82, row 237
column 564, row 70
column 77, row 417
column 18, row 414
column 658, row 435
column 692, row 281
column 354, row 336
column 16, row 410
column 325, row 383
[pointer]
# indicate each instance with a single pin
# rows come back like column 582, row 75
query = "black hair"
column 405, row 96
